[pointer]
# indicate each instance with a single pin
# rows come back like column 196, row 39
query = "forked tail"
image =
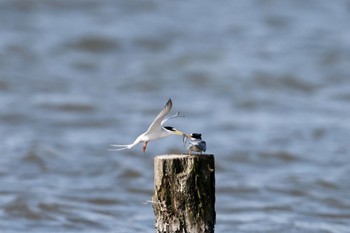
column 120, row 147
column 124, row 147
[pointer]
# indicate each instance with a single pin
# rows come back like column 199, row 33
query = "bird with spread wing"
column 155, row 131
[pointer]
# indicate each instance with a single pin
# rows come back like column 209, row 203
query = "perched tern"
column 155, row 131
column 196, row 143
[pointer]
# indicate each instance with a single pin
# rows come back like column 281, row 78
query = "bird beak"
column 179, row 132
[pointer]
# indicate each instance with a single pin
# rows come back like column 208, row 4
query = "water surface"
column 265, row 82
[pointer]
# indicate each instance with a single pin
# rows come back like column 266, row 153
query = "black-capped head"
column 170, row 128
column 173, row 130
column 196, row 135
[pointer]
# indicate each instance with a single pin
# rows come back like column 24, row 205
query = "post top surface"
column 182, row 156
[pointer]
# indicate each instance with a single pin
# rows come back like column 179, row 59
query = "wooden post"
column 184, row 193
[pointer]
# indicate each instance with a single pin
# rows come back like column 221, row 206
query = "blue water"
column 266, row 82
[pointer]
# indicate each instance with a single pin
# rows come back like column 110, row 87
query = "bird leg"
column 144, row 147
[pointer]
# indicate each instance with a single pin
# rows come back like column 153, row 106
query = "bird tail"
column 124, row 147
column 120, row 147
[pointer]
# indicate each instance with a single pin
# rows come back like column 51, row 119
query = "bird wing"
column 203, row 145
column 175, row 116
column 157, row 122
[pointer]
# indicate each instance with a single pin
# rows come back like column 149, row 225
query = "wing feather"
column 157, row 122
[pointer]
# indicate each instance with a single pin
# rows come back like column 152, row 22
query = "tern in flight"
column 155, row 131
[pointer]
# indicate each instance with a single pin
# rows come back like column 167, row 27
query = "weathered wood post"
column 184, row 193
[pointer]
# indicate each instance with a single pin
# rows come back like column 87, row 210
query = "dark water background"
column 266, row 82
